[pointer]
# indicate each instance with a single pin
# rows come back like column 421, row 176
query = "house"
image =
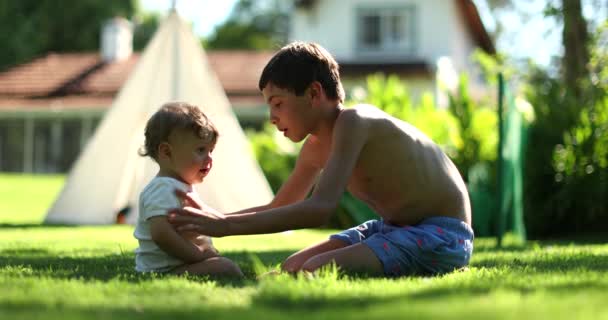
column 49, row 107
column 425, row 42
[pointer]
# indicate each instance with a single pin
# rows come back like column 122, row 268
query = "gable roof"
column 469, row 11
column 44, row 75
column 83, row 80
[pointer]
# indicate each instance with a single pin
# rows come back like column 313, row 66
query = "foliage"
column 585, row 146
column 575, row 43
column 275, row 154
column 39, row 26
column 145, row 27
column 581, row 163
column 477, row 126
column 581, row 166
column 493, row 64
column 252, row 24
column 390, row 94
column 566, row 171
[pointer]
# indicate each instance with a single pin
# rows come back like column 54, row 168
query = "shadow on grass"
column 278, row 297
column 538, row 267
column 543, row 263
column 285, row 300
column 523, row 289
column 509, row 248
column 32, row 226
column 533, row 244
column 578, row 239
column 38, row 310
column 109, row 266
column 117, row 266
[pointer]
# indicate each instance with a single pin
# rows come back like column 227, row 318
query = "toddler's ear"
column 164, row 150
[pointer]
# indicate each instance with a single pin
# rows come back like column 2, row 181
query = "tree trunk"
column 574, row 39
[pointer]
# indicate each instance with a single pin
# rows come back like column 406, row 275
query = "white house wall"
column 460, row 40
column 440, row 29
column 326, row 23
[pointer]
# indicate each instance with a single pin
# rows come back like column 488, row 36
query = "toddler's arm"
column 199, row 240
column 174, row 244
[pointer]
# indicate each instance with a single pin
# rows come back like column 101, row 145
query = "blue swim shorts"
column 434, row 246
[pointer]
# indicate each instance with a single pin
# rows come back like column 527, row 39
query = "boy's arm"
column 298, row 184
column 350, row 135
column 174, row 244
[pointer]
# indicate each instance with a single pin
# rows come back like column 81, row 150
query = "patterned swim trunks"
column 434, row 246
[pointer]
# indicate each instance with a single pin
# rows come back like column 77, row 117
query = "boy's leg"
column 295, row 261
column 343, row 247
column 357, row 257
column 215, row 266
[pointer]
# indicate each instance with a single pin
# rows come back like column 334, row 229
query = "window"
column 52, row 145
column 385, row 31
column 45, row 153
column 12, row 153
column 71, row 134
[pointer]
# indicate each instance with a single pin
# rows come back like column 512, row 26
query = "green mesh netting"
column 500, row 210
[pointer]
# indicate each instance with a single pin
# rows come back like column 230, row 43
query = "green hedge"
column 566, row 172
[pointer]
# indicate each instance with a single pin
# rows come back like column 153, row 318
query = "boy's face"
column 291, row 114
column 189, row 158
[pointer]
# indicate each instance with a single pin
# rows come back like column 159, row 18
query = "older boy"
column 398, row 171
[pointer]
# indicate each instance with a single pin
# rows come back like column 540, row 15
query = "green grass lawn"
column 24, row 199
column 52, row 272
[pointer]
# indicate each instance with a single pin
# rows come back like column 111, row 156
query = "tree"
column 566, row 152
column 568, row 14
column 261, row 24
column 575, row 40
column 145, row 27
column 575, row 60
column 34, row 27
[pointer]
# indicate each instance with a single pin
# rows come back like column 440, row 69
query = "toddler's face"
column 191, row 157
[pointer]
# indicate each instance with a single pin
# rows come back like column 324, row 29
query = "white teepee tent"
column 109, row 174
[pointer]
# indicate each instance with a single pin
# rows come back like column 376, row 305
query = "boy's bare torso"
column 400, row 173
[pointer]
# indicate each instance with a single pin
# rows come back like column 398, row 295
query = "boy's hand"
column 190, row 201
column 187, row 200
column 193, row 217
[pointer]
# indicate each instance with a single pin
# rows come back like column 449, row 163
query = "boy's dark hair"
column 299, row 64
column 176, row 116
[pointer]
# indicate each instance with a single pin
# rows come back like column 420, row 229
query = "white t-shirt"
column 156, row 198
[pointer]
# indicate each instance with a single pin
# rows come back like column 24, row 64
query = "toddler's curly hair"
column 172, row 116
